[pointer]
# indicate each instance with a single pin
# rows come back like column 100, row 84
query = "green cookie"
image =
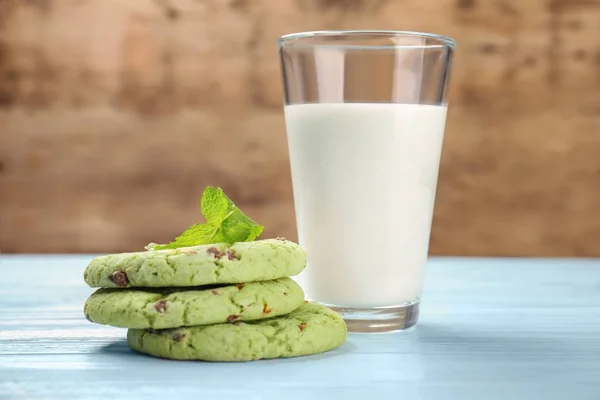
column 172, row 308
column 311, row 329
column 261, row 260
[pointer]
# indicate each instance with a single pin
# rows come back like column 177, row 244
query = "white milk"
column 364, row 179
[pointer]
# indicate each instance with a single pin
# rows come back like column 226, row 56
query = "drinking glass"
column 365, row 114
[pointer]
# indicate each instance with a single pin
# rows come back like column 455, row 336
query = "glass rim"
column 441, row 39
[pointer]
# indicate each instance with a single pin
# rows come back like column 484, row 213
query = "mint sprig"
column 225, row 223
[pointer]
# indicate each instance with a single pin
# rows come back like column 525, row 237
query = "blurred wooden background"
column 115, row 114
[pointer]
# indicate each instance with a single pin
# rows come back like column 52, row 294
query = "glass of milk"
column 365, row 113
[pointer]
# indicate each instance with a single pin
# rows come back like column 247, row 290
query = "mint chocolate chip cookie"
column 310, row 329
column 173, row 308
column 210, row 264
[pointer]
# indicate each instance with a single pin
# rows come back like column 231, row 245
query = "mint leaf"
column 225, row 223
column 215, row 205
column 239, row 228
column 193, row 236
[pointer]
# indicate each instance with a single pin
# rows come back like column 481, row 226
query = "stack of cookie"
column 212, row 302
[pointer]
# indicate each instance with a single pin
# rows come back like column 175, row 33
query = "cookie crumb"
column 302, row 326
column 215, row 292
column 305, row 301
column 178, row 337
column 119, row 278
column 231, row 255
column 161, row 306
column 239, row 285
column 266, row 309
column 281, row 238
column 215, row 252
column 233, row 318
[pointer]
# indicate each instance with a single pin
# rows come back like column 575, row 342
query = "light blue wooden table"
column 489, row 329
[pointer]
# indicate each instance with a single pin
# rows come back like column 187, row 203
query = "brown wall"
column 115, row 114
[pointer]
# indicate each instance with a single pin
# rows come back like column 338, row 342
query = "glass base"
column 379, row 319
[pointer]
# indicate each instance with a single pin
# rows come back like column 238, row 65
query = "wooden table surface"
column 489, row 329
